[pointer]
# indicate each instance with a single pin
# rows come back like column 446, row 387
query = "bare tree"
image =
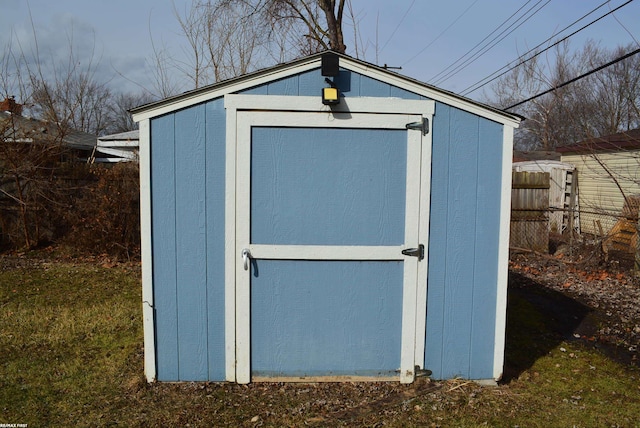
column 120, row 120
column 30, row 151
column 600, row 104
column 228, row 38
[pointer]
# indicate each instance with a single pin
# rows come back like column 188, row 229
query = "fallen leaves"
column 611, row 295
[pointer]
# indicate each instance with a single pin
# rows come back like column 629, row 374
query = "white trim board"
column 503, row 254
column 360, row 112
column 147, row 253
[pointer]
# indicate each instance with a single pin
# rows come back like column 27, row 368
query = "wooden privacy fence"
column 530, row 210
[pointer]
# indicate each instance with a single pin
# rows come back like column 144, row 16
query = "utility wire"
column 575, row 79
column 483, row 40
column 483, row 82
column 397, row 26
column 439, row 35
column 493, row 42
column 627, row 30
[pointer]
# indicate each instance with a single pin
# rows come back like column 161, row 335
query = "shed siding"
column 188, row 158
column 598, row 191
column 163, row 197
column 486, row 250
column 215, row 188
column 191, row 242
column 351, row 84
column 188, row 245
column 465, row 219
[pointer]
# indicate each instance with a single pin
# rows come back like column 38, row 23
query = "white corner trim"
column 147, row 253
column 230, row 246
column 503, row 253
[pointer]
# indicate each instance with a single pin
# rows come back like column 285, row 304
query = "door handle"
column 246, row 257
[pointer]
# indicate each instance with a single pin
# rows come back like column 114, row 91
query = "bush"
column 89, row 209
column 105, row 217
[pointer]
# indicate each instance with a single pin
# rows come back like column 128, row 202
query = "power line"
column 497, row 39
column 398, row 26
column 439, row 35
column 575, row 79
column 480, row 42
column 484, row 81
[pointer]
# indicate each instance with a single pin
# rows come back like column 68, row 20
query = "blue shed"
column 285, row 239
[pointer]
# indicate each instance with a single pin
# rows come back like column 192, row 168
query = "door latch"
column 246, row 258
column 415, row 252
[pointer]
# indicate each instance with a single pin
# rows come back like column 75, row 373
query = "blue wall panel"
column 373, row 88
column 188, row 193
column 461, row 229
column 486, row 249
column 464, row 233
column 215, row 198
column 317, row 318
column 310, row 83
column 438, row 240
column 328, row 186
column 191, row 242
column 163, row 196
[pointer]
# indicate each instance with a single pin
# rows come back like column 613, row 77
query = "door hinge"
column 415, row 252
column 423, row 125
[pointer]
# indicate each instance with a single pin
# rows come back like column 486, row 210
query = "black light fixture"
column 330, row 64
column 331, row 68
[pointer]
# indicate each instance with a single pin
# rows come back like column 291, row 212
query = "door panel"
column 326, row 318
column 325, row 205
column 328, row 186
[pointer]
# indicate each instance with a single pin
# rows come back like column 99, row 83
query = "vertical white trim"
column 146, row 252
column 423, row 266
column 411, row 240
column 243, row 220
column 229, row 246
column 503, row 252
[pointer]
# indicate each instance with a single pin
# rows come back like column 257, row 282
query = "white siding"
column 603, row 180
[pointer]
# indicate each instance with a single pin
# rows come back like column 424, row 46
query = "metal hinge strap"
column 423, row 125
column 415, row 252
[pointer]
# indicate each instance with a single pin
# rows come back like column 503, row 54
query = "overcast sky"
column 423, row 37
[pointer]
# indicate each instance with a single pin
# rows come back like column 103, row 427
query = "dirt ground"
column 593, row 301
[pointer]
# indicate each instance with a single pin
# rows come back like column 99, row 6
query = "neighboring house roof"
column 271, row 74
column 27, row 129
column 523, row 156
column 628, row 140
column 122, row 136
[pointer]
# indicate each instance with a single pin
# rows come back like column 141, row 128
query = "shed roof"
column 280, row 71
column 622, row 141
